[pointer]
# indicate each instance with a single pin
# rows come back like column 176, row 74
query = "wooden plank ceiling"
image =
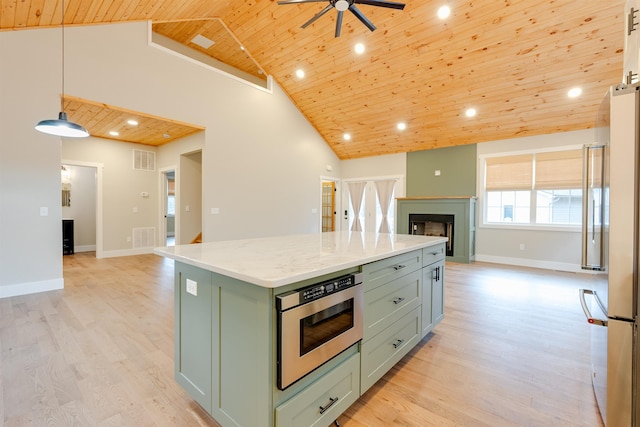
column 512, row 60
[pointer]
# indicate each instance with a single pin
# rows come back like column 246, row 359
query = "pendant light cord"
column 62, row 95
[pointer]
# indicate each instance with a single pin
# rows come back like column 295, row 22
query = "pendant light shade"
column 62, row 127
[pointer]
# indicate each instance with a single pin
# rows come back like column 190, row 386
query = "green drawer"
column 317, row 404
column 386, row 304
column 384, row 271
column 387, row 348
column 432, row 254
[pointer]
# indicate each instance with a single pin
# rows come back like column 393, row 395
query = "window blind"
column 509, row 173
column 559, row 170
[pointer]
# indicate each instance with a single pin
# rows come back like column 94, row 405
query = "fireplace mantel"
column 463, row 208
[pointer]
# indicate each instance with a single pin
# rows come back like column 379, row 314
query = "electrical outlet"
column 192, row 287
column 522, row 246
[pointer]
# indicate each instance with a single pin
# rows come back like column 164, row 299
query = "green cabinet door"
column 194, row 332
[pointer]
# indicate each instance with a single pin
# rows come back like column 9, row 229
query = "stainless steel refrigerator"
column 610, row 250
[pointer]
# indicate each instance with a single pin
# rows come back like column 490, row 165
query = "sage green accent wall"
column 457, row 166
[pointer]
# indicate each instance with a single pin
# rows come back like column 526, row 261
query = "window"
column 372, row 197
column 535, row 188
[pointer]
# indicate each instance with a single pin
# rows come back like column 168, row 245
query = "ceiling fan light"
column 62, row 127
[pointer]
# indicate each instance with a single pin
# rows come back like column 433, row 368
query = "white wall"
column 124, row 207
column 261, row 158
column 545, row 247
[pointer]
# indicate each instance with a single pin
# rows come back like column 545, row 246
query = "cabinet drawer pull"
column 399, row 266
column 435, row 253
column 398, row 300
column 332, row 400
column 397, row 344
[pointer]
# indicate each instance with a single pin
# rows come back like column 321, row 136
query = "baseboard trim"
column 85, row 248
column 126, row 252
column 31, row 288
column 524, row 262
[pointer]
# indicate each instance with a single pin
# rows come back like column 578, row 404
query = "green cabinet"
column 432, row 288
column 322, row 403
column 223, row 345
column 392, row 300
column 226, row 341
column 195, row 333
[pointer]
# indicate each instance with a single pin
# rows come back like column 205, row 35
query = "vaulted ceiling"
column 512, row 60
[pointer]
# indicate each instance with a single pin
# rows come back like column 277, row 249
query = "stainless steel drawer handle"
column 399, row 266
column 397, row 344
column 332, row 400
column 398, row 300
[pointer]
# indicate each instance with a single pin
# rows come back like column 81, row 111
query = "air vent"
column 202, row 41
column 144, row 160
column 144, row 237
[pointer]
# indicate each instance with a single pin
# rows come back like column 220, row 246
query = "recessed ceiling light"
column 359, row 48
column 132, row 122
column 166, row 136
column 471, row 112
column 300, row 73
column 114, row 133
column 575, row 92
column 401, row 126
column 346, row 137
column 444, row 12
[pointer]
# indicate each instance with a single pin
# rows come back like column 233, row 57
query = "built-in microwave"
column 316, row 323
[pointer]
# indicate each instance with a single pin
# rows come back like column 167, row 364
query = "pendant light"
column 62, row 126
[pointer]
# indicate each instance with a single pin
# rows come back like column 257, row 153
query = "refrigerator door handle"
column 590, row 318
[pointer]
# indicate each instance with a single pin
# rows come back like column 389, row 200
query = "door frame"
column 338, row 201
column 99, row 199
column 162, row 200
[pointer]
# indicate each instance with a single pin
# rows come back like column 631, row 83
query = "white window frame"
column 482, row 203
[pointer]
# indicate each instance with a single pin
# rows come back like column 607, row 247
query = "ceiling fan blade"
column 300, row 1
column 339, row 23
column 318, row 15
column 382, row 3
column 361, row 17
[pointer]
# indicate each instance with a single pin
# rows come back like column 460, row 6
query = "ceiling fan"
column 341, row 6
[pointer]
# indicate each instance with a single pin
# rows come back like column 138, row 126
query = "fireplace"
column 433, row 225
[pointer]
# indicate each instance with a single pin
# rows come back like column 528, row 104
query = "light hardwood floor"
column 512, row 351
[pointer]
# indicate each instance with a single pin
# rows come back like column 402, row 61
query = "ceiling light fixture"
column 346, row 137
column 575, row 92
column 62, row 126
column 401, row 126
column 471, row 112
column 114, row 133
column 359, row 48
column 300, row 73
column 444, row 12
column 132, row 122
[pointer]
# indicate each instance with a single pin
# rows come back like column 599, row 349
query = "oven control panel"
column 311, row 293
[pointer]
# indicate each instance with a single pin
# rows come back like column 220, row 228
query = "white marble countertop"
column 277, row 261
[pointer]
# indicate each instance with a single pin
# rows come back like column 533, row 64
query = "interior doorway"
column 82, row 182
column 168, row 208
column 330, row 199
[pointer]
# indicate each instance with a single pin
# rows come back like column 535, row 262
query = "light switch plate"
column 192, row 287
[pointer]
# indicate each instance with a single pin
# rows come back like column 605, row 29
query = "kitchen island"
column 226, row 344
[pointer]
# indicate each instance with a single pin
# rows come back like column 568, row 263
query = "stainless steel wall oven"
column 316, row 323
